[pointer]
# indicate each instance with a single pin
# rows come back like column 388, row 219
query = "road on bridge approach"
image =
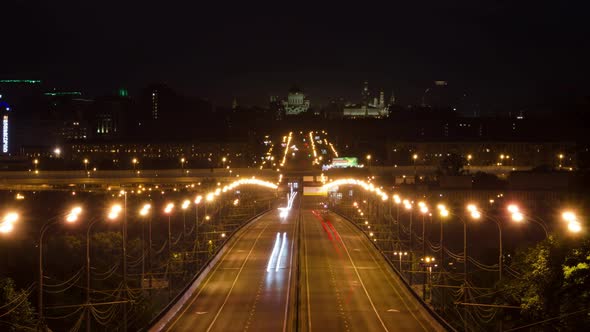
column 344, row 283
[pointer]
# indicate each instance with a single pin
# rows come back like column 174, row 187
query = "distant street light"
column 400, row 254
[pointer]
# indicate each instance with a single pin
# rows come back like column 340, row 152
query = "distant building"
column 368, row 108
column 296, row 102
column 13, row 93
column 197, row 154
column 559, row 154
column 5, row 114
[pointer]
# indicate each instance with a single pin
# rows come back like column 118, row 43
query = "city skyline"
column 220, row 54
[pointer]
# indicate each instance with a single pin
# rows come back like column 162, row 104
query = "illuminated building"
column 296, row 102
column 12, row 94
column 367, row 109
column 155, row 101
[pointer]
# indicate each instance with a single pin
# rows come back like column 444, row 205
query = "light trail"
column 274, row 250
column 281, row 252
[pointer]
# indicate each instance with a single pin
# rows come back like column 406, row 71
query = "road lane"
column 350, row 286
column 239, row 294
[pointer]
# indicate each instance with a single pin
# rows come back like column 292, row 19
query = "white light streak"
column 281, row 252
column 274, row 250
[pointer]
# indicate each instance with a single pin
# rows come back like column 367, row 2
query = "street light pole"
column 40, row 295
column 168, row 211
column 125, row 262
column 88, row 306
column 464, row 274
column 423, row 211
column 411, row 250
column 500, row 253
column 71, row 217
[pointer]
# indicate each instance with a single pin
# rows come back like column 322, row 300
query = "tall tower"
column 155, row 106
column 381, row 99
column 366, row 94
column 392, row 98
column 4, row 111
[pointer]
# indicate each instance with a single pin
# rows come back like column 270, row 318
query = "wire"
column 157, row 252
column 66, row 315
column 76, row 275
column 109, row 272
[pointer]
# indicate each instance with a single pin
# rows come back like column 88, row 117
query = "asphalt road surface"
column 344, row 283
column 246, row 291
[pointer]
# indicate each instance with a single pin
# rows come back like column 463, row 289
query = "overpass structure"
column 308, row 270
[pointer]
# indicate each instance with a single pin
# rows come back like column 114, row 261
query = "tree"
column 553, row 285
column 16, row 312
column 452, row 165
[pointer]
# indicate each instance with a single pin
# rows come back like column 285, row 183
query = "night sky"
column 503, row 54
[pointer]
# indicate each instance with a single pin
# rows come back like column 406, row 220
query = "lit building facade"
column 376, row 108
column 296, row 102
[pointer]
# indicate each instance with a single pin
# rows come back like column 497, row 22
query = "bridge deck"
column 344, row 284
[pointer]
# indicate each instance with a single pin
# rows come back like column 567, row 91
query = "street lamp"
column 7, row 224
column 408, row 207
column 182, row 161
column 414, row 158
column 197, row 201
column 85, row 162
column 114, row 214
column 428, row 262
column 423, row 211
column 560, row 156
column 184, row 206
column 368, row 160
column 144, row 212
column 443, row 214
column 134, row 161
column 574, row 225
column 168, row 210
column 70, row 217
column 400, row 254
column 476, row 215
column 518, row 217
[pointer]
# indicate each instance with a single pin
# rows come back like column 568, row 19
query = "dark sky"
column 501, row 53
